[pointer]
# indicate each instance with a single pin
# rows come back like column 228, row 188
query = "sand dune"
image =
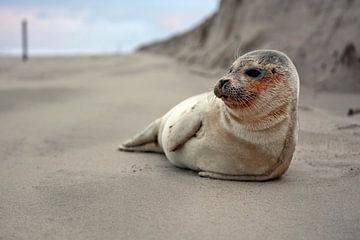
column 321, row 37
column 61, row 177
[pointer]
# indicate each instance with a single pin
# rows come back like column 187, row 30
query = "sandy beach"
column 61, row 176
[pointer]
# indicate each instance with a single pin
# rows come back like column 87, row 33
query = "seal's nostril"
column 222, row 82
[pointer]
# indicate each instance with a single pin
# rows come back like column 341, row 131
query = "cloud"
column 174, row 22
column 94, row 29
column 63, row 30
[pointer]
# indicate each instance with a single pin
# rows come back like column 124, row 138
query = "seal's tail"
column 145, row 141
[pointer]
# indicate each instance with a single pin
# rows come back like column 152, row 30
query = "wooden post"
column 353, row 111
column 24, row 40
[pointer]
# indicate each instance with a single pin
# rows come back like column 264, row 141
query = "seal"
column 246, row 129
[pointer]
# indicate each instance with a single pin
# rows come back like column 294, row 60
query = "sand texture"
column 61, row 177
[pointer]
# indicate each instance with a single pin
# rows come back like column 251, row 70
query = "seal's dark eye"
column 231, row 70
column 254, row 73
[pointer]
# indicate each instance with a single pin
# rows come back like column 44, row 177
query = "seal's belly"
column 212, row 152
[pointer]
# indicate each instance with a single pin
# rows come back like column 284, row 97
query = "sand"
column 61, row 176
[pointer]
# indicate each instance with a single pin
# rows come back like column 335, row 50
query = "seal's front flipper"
column 184, row 129
column 145, row 141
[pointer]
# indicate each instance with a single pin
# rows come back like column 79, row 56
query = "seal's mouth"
column 219, row 93
column 231, row 93
column 234, row 97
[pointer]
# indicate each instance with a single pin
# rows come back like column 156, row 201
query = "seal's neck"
column 257, row 122
column 268, row 128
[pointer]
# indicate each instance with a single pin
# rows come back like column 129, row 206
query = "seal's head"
column 258, row 83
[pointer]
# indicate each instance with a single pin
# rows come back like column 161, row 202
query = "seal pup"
column 246, row 129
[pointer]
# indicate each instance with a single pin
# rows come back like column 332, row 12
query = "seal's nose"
column 222, row 82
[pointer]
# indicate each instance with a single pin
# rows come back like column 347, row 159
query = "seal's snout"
column 223, row 82
column 220, row 87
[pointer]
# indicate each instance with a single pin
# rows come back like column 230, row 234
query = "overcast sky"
column 96, row 26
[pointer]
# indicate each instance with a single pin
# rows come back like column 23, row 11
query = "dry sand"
column 61, row 177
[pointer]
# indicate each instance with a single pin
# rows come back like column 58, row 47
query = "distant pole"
column 24, row 40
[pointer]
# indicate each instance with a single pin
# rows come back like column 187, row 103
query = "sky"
column 58, row 27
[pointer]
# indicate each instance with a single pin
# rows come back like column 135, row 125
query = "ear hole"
column 273, row 70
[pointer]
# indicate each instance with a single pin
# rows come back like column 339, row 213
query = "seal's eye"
column 231, row 70
column 254, row 73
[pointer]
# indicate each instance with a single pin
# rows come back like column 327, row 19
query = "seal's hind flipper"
column 147, row 147
column 235, row 177
column 145, row 141
column 184, row 129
